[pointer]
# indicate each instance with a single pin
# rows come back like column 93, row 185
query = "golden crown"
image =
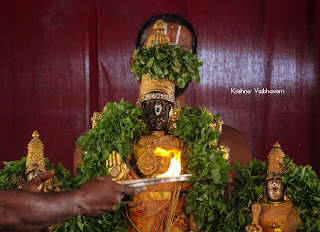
column 156, row 89
column 275, row 161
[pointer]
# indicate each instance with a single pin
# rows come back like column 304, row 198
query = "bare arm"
column 24, row 211
column 20, row 210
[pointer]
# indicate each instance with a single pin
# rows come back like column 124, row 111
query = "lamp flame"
column 175, row 163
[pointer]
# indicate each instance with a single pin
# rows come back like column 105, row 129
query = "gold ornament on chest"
column 156, row 153
column 147, row 162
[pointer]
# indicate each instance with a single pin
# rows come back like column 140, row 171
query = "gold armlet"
column 174, row 115
column 225, row 152
column 217, row 121
column 97, row 116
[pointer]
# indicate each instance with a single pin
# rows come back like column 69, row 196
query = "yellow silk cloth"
column 284, row 214
column 149, row 210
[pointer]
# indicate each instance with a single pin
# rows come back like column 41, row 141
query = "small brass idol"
column 275, row 213
column 35, row 158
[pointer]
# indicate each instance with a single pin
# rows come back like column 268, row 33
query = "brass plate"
column 151, row 181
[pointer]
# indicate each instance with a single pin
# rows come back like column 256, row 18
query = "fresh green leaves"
column 303, row 186
column 247, row 188
column 11, row 171
column 194, row 127
column 115, row 131
column 109, row 222
column 161, row 61
column 210, row 172
column 16, row 169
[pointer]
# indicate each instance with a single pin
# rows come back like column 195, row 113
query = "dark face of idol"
column 275, row 189
column 157, row 114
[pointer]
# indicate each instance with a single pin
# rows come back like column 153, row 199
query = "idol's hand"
column 116, row 168
column 255, row 224
column 36, row 184
column 254, row 228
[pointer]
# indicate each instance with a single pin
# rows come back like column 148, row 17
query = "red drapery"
column 61, row 60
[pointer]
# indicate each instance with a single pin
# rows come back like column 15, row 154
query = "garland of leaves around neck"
column 115, row 131
column 161, row 61
column 206, row 199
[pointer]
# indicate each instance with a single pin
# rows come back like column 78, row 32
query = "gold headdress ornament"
column 275, row 161
column 35, row 157
column 159, row 36
column 157, row 88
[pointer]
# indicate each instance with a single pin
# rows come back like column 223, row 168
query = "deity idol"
column 35, row 164
column 275, row 212
column 35, row 159
column 160, row 207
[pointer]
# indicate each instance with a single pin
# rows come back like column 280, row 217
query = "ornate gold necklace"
column 277, row 226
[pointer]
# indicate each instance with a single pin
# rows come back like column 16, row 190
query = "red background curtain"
column 62, row 60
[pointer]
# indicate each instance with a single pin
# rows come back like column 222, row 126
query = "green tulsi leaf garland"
column 247, row 188
column 115, row 131
column 161, row 61
column 109, row 222
column 14, row 172
column 303, row 186
column 11, row 172
column 210, row 172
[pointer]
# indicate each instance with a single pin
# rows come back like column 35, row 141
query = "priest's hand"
column 100, row 195
column 36, row 184
column 28, row 211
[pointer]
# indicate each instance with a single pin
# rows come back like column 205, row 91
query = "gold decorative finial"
column 159, row 36
column 35, row 134
column 276, row 145
column 35, row 142
column 35, row 157
column 159, row 25
column 275, row 161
